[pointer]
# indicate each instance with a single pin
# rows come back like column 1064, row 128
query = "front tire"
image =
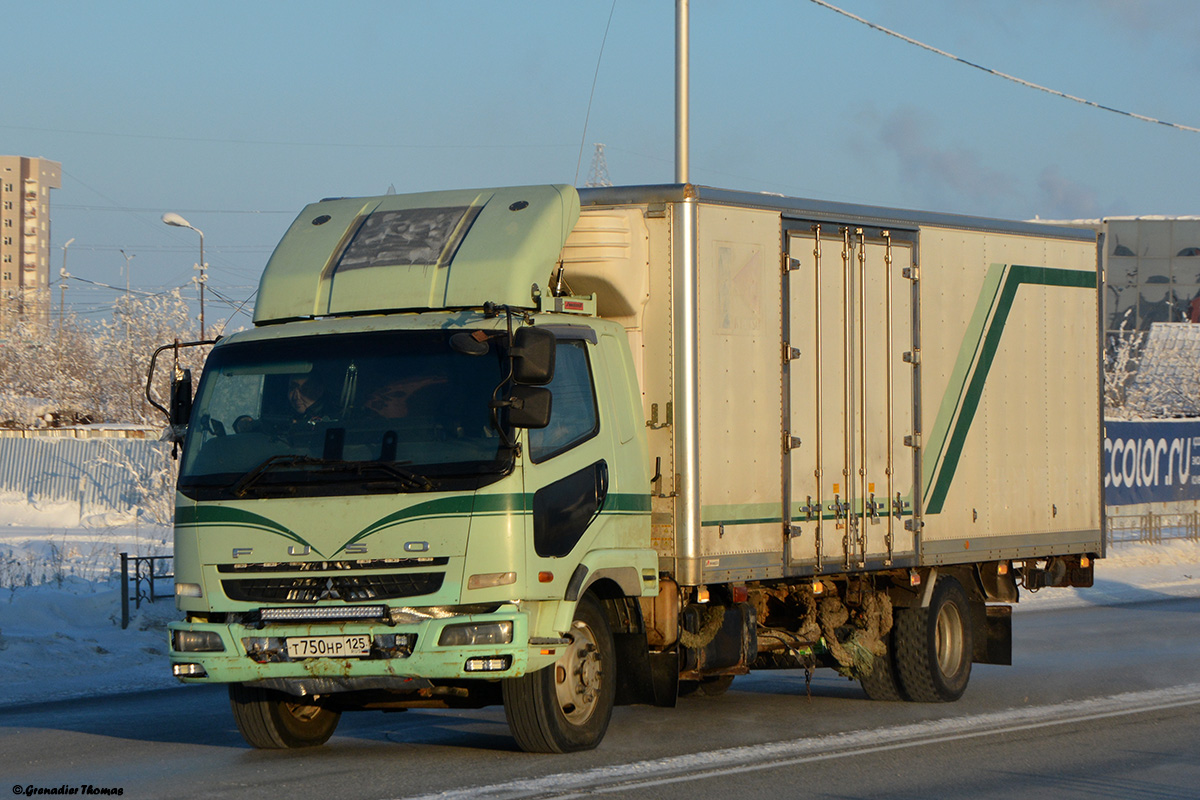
column 566, row 707
column 273, row 720
column 934, row 646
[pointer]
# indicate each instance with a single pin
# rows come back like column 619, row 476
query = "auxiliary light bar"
column 322, row 613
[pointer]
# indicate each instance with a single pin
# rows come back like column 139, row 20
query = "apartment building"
column 25, row 185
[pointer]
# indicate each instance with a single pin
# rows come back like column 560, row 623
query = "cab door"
column 567, row 469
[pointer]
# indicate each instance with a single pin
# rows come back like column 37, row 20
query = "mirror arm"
column 176, row 345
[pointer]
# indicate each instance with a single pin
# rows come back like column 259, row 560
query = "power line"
column 998, row 74
column 595, row 77
column 271, row 143
column 73, row 207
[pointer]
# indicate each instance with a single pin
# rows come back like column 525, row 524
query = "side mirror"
column 181, row 398
column 528, row 407
column 532, row 353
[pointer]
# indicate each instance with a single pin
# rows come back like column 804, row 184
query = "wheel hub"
column 578, row 675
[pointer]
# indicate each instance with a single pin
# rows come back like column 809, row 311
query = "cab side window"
column 573, row 417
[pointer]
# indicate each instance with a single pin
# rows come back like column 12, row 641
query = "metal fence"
column 98, row 474
column 146, row 571
column 1152, row 527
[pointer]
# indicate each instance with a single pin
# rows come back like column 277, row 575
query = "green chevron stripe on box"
column 978, row 351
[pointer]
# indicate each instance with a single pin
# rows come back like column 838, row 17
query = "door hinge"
column 790, row 442
column 913, row 440
column 912, row 273
column 653, row 423
column 912, row 357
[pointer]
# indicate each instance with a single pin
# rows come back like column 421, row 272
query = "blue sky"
column 237, row 114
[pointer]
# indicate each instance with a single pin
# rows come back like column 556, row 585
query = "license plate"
column 329, row 646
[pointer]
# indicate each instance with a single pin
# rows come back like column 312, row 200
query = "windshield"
column 343, row 414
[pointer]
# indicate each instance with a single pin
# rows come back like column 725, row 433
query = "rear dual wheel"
column 883, row 683
column 934, row 646
column 712, row 686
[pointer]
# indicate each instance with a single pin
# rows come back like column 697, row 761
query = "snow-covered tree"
column 74, row 372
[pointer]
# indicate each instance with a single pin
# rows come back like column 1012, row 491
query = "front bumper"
column 399, row 651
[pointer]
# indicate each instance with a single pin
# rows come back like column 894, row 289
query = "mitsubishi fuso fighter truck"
column 563, row 449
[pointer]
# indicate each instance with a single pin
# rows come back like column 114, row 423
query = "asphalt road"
column 1103, row 702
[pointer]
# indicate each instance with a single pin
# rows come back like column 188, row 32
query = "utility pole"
column 129, row 380
column 62, row 298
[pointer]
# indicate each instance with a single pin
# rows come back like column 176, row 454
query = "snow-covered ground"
column 60, row 600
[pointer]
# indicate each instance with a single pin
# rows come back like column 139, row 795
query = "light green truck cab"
column 370, row 513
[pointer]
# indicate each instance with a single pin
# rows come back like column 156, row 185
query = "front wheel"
column 566, row 707
column 934, row 646
column 273, row 720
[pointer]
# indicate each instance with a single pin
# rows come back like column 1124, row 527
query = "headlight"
column 196, row 642
column 474, row 633
column 487, row 580
column 188, row 590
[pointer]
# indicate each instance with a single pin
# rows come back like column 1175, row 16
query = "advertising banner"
column 1151, row 462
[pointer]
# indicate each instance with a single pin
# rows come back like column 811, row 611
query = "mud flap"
column 992, row 634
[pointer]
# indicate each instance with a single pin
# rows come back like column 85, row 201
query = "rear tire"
column 714, row 686
column 934, row 646
column 883, row 684
column 274, row 720
column 566, row 707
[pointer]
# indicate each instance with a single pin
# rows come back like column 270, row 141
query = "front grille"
column 335, row 586
column 327, row 566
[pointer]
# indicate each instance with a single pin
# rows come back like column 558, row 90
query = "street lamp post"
column 177, row 221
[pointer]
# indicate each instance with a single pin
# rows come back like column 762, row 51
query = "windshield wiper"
column 407, row 478
column 412, row 479
column 271, row 463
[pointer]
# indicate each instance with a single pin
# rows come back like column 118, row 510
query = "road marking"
column 750, row 758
